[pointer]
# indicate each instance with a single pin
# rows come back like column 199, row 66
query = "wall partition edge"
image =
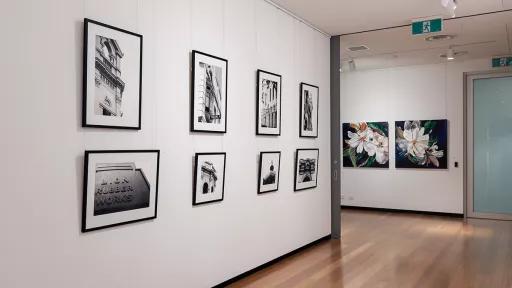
column 335, row 61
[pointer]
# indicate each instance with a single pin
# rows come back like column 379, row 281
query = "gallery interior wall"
column 43, row 144
column 419, row 92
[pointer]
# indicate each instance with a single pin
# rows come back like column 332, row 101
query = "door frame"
column 469, row 77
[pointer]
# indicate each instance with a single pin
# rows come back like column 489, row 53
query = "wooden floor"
column 382, row 249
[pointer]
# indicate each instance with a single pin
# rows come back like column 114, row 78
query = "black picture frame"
column 193, row 123
column 85, row 75
column 278, row 173
column 85, row 203
column 301, row 89
column 195, row 201
column 259, row 73
column 295, row 188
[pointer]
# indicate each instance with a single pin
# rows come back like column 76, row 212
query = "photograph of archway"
column 209, row 178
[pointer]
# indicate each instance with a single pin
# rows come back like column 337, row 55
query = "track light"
column 451, row 5
column 352, row 65
column 450, row 54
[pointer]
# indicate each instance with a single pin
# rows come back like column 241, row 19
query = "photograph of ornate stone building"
column 209, row 94
column 209, row 175
column 307, row 170
column 208, row 178
column 109, row 85
column 268, row 103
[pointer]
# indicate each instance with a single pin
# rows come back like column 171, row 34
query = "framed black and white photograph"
column 120, row 187
column 306, row 169
column 209, row 93
column 308, row 110
column 112, row 77
column 209, row 175
column 269, row 171
column 268, row 111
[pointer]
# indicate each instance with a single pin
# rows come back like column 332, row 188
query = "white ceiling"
column 481, row 36
column 347, row 16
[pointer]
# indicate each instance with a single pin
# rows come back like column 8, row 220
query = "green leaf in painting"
column 352, row 155
column 429, row 126
column 370, row 162
column 346, row 152
column 378, row 127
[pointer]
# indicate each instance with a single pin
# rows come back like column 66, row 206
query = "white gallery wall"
column 43, row 144
column 408, row 93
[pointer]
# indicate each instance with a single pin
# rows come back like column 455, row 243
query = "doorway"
column 488, row 141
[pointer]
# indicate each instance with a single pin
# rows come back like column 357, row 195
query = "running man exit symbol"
column 426, row 26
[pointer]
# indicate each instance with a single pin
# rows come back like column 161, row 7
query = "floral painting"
column 421, row 144
column 366, row 144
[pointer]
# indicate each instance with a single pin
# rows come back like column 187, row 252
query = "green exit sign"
column 505, row 61
column 426, row 26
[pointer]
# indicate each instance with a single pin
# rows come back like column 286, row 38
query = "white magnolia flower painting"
column 366, row 144
column 421, row 144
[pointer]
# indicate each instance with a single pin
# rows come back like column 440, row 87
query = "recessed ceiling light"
column 439, row 37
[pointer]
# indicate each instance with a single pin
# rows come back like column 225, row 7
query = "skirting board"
column 271, row 262
column 456, row 215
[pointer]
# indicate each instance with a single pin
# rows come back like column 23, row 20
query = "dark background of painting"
column 440, row 131
column 346, row 160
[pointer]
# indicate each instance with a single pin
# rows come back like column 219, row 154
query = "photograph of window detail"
column 209, row 94
column 268, row 104
column 109, row 85
column 268, row 110
column 119, row 187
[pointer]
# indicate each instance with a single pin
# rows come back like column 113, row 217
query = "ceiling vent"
column 357, row 48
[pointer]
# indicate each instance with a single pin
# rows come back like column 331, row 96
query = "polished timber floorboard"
column 384, row 249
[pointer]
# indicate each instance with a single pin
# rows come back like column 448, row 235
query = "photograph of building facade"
column 109, row 85
column 268, row 103
column 306, row 170
column 308, row 111
column 208, row 178
column 209, row 94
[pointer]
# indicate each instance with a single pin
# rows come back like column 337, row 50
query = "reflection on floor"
column 383, row 249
